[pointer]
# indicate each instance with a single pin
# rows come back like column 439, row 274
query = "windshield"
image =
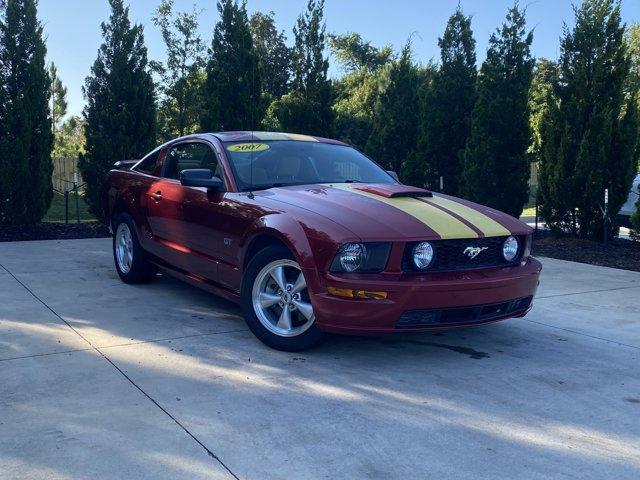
column 282, row 163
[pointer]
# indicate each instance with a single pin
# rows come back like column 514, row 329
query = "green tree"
column 632, row 38
column 356, row 54
column 356, row 92
column 307, row 108
column 120, row 113
column 273, row 54
column 589, row 136
column 446, row 109
column 396, row 115
column 58, row 94
column 231, row 94
column 496, row 165
column 545, row 76
column 181, row 73
column 70, row 139
column 26, row 139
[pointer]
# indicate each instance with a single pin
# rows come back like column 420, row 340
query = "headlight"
column 510, row 249
column 361, row 257
column 422, row 255
column 352, row 256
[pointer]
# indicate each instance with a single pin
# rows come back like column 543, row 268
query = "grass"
column 56, row 210
column 529, row 212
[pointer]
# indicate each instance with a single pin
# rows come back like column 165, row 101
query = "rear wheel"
column 130, row 259
column 276, row 302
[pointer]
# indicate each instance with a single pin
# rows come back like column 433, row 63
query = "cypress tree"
column 231, row 94
column 396, row 116
column 446, row 109
column 26, row 139
column 4, row 173
column 58, row 95
column 120, row 113
column 589, row 136
column 307, row 108
column 496, row 165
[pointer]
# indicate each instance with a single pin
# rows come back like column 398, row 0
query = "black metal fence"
column 68, row 184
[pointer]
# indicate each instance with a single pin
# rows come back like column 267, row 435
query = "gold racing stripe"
column 482, row 222
column 445, row 225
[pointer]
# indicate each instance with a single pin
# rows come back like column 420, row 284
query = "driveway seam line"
column 36, row 355
column 103, row 355
column 582, row 334
column 120, row 345
column 159, row 340
column 588, row 291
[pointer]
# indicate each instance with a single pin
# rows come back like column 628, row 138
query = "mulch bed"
column 619, row 253
column 53, row 231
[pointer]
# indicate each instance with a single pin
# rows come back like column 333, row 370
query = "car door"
column 186, row 220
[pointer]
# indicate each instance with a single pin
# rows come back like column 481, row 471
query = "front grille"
column 463, row 315
column 449, row 255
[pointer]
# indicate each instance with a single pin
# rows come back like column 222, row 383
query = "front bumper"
column 434, row 301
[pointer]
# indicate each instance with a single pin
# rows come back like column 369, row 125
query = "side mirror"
column 394, row 175
column 200, row 177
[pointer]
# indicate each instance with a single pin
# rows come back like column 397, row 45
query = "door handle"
column 156, row 196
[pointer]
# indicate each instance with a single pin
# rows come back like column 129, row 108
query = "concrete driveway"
column 101, row 380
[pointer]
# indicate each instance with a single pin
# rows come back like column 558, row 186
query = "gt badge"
column 473, row 252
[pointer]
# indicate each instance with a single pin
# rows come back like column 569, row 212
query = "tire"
column 264, row 302
column 129, row 257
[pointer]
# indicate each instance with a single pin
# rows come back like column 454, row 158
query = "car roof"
column 247, row 136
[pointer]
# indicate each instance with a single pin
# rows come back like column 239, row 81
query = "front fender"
column 287, row 230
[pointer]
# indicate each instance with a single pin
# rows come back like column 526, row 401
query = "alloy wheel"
column 281, row 299
column 124, row 248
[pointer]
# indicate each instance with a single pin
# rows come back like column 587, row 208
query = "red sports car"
column 310, row 236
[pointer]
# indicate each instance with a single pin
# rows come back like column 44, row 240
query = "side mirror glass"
column 201, row 177
column 394, row 175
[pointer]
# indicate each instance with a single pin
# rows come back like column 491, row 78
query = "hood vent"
column 394, row 190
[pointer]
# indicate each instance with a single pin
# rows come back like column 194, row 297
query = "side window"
column 148, row 164
column 187, row 156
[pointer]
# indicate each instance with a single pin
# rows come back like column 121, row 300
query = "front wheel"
column 276, row 302
column 130, row 259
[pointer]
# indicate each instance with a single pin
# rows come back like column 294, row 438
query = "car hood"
column 376, row 212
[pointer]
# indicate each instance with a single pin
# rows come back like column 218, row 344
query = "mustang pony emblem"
column 473, row 252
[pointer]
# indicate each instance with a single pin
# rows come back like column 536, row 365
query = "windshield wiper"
column 272, row 185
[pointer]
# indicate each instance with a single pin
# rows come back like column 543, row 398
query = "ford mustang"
column 312, row 237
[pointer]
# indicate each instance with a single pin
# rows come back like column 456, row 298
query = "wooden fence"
column 65, row 172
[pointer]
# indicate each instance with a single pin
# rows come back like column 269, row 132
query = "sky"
column 72, row 27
